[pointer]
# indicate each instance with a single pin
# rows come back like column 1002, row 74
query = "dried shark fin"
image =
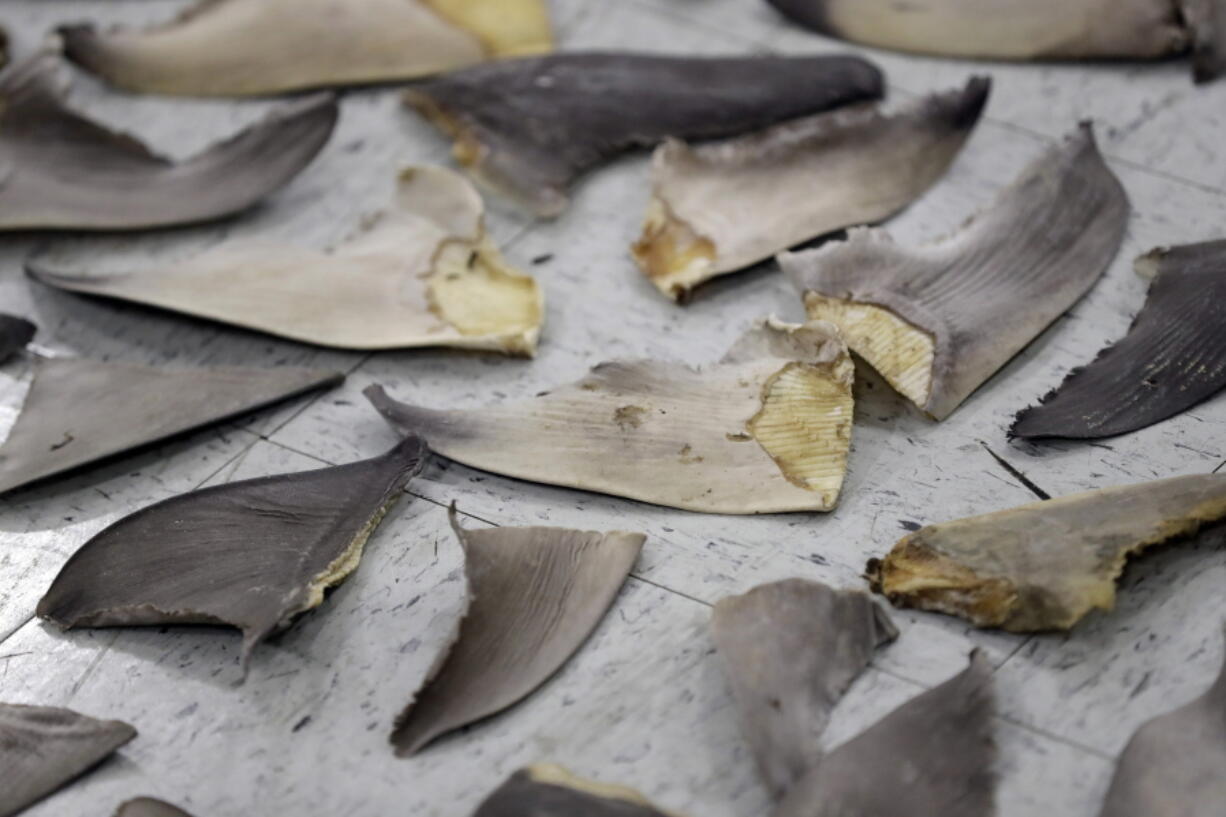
column 1173, row 763
column 423, row 274
column 79, row 411
column 1045, row 565
column 722, row 207
column 43, row 748
column 534, row 597
column 494, row 111
column 765, row 430
column 253, row 554
column 1171, row 359
column 1023, row 29
column 791, row 649
column 546, row 790
column 15, row 334
column 931, row 757
column 940, row 320
column 1206, row 19
column 62, row 171
column 252, row 47
column 149, row 807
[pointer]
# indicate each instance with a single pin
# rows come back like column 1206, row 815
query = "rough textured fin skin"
column 534, row 597
column 551, row 791
column 790, row 650
column 43, row 748
column 1173, row 357
column 66, row 172
column 1044, row 566
column 986, row 292
column 423, row 273
column 80, row 411
column 149, row 807
column 255, row 47
column 1003, row 29
column 763, row 431
column 252, row 554
column 1172, row 766
column 530, row 127
column 935, row 754
column 722, row 207
column 15, row 334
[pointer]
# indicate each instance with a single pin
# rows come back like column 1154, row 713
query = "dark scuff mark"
column 1016, row 474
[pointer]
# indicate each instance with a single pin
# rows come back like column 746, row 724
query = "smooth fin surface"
column 149, row 807
column 721, row 207
column 425, row 273
column 791, row 649
column 63, row 171
column 44, row 748
column 1172, row 766
column 546, row 790
column 497, row 113
column 79, row 411
column 933, row 756
column 1025, row 29
column 251, row 47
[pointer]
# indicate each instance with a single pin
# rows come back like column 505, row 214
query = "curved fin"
column 79, row 411
column 1044, row 566
column 1173, row 763
column 931, row 757
column 791, row 649
column 938, row 321
column 1173, row 357
column 44, row 748
column 252, row 47
column 494, row 111
column 535, row 595
column 64, row 171
column 252, row 554
column 718, row 208
column 424, row 273
column 766, row 430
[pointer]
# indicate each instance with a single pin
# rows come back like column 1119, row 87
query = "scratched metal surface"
column 644, row 702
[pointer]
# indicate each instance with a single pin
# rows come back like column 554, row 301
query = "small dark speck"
column 187, row 710
column 342, row 402
column 542, row 259
column 907, row 524
column 302, row 723
column 817, row 559
column 355, row 146
column 372, row 726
